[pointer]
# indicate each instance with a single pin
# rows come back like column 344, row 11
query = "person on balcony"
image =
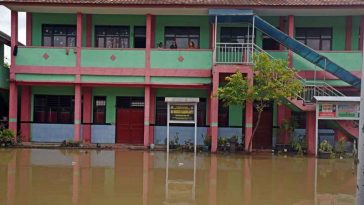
column 174, row 45
column 160, row 45
column 191, row 45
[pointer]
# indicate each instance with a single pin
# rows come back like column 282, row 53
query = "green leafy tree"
column 273, row 81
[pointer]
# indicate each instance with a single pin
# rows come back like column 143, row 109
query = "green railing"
column 181, row 59
column 46, row 56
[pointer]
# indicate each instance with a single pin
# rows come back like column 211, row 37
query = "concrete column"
column 249, row 119
column 77, row 123
column 151, row 115
column 13, row 108
column 146, row 115
column 89, row 30
column 348, row 33
column 87, row 114
column 25, row 113
column 214, row 112
column 29, row 29
column 290, row 34
column 310, row 132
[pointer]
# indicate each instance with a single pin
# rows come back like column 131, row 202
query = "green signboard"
column 181, row 112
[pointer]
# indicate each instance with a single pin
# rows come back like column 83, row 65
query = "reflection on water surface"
column 40, row 176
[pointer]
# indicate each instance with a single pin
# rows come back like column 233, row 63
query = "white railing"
column 234, row 53
column 242, row 53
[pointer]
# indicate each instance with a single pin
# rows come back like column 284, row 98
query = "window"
column 139, row 37
column 130, row 102
column 112, row 36
column 59, row 35
column 269, row 43
column 53, row 109
column 182, row 36
column 315, row 38
column 235, row 35
column 99, row 109
column 223, row 115
column 161, row 112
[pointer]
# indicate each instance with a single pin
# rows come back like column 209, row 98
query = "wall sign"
column 327, row 110
column 338, row 110
column 181, row 112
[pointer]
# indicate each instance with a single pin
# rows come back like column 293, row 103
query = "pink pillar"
column 282, row 27
column 77, row 125
column 151, row 115
column 249, row 120
column 214, row 111
column 25, row 113
column 13, row 108
column 87, row 112
column 89, row 30
column 78, row 47
column 290, row 34
column 361, row 33
column 29, row 29
column 248, row 180
column 13, row 41
column 146, row 115
column 310, row 132
column 85, row 178
column 348, row 33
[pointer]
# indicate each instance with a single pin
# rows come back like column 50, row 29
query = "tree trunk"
column 255, row 129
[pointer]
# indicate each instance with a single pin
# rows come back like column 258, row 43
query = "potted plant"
column 299, row 146
column 325, row 150
column 233, row 141
column 340, row 151
column 222, row 143
column 6, row 138
column 207, row 143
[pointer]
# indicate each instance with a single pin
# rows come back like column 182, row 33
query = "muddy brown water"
column 52, row 177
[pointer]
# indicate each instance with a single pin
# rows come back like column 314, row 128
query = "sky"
column 5, row 27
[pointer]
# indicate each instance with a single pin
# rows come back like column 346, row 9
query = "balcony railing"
column 234, row 53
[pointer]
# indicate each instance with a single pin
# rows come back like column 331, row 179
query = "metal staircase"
column 242, row 53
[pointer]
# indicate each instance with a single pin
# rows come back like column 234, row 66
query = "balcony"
column 46, row 56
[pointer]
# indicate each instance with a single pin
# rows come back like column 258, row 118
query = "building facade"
column 99, row 72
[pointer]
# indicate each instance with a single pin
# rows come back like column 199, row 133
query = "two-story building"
column 99, row 71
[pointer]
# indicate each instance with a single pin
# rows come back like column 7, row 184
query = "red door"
column 130, row 126
column 263, row 136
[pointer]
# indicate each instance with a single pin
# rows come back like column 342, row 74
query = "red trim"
column 46, row 70
column 25, row 112
column 349, row 32
column 113, row 71
column 212, row 35
column 87, row 110
column 29, row 29
column 126, row 5
column 290, row 34
column 89, row 30
column 361, row 33
column 77, row 131
column 282, row 27
column 233, row 68
column 181, row 73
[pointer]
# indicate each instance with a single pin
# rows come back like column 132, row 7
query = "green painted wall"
column 355, row 33
column 120, row 20
column 111, row 94
column 45, row 77
column 235, row 115
column 195, row 21
column 191, row 59
column 338, row 25
column 123, row 58
column 56, row 57
column 112, row 79
column 47, row 90
column 180, row 80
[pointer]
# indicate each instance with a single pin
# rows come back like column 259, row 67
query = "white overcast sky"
column 5, row 27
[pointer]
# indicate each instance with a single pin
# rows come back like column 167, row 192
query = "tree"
column 272, row 81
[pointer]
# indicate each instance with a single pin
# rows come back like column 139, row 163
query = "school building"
column 99, row 71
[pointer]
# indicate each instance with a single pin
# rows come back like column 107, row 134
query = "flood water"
column 52, row 177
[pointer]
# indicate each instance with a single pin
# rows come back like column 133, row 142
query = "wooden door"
column 263, row 136
column 130, row 126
